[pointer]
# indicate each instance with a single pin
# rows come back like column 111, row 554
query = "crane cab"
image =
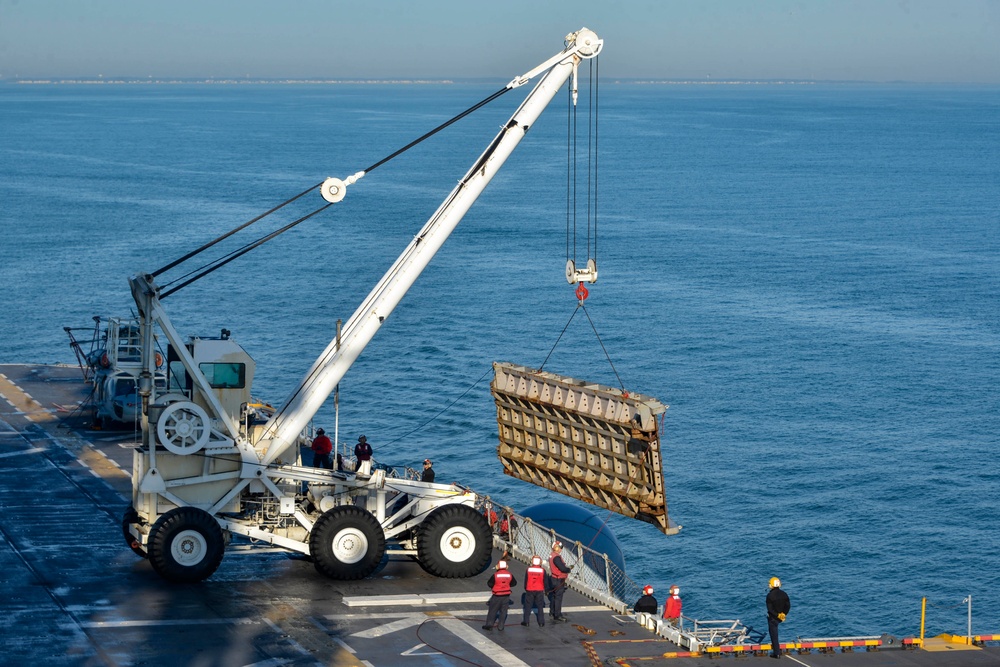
column 228, row 368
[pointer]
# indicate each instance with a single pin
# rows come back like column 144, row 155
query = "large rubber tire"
column 347, row 542
column 454, row 541
column 186, row 545
column 130, row 517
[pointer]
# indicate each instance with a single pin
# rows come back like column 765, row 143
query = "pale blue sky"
column 870, row 40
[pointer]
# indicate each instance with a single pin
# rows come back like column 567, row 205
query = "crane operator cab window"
column 225, row 376
column 225, row 366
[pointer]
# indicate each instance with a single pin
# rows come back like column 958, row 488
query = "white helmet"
column 502, row 565
column 536, row 560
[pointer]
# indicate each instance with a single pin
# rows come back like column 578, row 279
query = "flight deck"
column 75, row 594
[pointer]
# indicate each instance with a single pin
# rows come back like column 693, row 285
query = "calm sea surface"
column 807, row 275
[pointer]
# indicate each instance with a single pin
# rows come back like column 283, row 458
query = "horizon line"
column 100, row 80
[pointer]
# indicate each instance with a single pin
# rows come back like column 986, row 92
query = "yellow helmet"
column 775, row 582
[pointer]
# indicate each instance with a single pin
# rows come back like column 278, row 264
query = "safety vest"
column 535, row 581
column 501, row 583
column 556, row 572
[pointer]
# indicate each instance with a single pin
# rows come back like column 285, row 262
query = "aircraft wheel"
column 186, row 545
column 347, row 542
column 455, row 541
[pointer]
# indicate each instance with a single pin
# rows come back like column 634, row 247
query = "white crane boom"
column 282, row 430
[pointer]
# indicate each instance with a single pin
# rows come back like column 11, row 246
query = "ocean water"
column 807, row 275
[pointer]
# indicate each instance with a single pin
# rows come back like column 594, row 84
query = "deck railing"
column 601, row 580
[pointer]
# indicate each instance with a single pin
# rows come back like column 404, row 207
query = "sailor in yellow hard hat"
column 778, row 606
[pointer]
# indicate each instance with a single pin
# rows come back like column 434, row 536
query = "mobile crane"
column 211, row 465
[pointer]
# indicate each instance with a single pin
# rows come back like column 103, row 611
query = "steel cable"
column 209, row 267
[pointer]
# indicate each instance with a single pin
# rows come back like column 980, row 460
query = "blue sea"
column 808, row 275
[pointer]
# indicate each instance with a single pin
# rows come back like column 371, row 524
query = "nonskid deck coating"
column 75, row 595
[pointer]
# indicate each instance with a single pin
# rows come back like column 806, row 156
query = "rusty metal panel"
column 584, row 440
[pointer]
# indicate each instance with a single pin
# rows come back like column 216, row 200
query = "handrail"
column 602, row 580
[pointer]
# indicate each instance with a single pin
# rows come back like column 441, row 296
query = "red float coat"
column 535, row 581
column 501, row 582
column 322, row 445
column 672, row 609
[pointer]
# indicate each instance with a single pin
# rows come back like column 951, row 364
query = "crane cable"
column 572, row 159
column 572, row 162
column 581, row 306
column 219, row 262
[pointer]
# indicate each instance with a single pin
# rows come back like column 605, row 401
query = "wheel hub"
column 350, row 545
column 189, row 548
column 458, row 544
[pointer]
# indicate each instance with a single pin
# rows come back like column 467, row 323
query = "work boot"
column 488, row 627
column 524, row 624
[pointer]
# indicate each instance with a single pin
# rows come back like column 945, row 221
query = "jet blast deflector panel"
column 584, row 440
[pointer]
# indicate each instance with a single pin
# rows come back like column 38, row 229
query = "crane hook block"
column 333, row 190
column 574, row 275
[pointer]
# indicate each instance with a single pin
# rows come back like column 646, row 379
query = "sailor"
column 672, row 607
column 500, row 583
column 534, row 592
column 647, row 603
column 321, row 447
column 778, row 605
column 428, row 474
column 507, row 523
column 559, row 572
column 363, row 455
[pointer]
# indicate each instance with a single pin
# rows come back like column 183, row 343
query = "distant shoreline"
column 123, row 81
column 376, row 82
column 224, row 82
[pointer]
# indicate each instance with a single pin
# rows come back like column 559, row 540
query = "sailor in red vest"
column 672, row 608
column 559, row 572
column 500, row 583
column 534, row 592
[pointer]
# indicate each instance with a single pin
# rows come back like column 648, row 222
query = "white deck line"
column 481, row 643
